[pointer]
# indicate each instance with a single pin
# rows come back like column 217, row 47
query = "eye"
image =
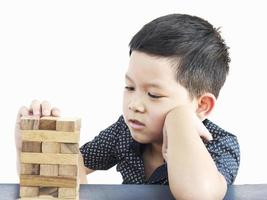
column 154, row 96
column 129, row 88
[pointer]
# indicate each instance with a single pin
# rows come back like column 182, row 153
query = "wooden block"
column 67, row 192
column 29, row 169
column 50, row 136
column 47, row 197
column 48, row 170
column 68, row 124
column 69, row 148
column 49, row 158
column 51, row 147
column 31, row 146
column 48, row 123
column 45, row 181
column 68, row 170
column 51, row 191
column 28, row 191
column 29, row 123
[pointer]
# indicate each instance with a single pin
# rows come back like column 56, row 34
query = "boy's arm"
column 191, row 170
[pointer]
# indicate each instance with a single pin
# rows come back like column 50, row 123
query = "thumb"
column 23, row 111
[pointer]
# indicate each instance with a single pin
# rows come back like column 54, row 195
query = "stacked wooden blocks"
column 49, row 158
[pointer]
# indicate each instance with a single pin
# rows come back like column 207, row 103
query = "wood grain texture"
column 31, row 146
column 29, row 123
column 49, row 170
column 68, row 170
column 50, row 136
column 67, row 192
column 46, row 197
column 28, row 191
column 69, row 148
column 48, row 123
column 50, row 147
column 51, row 191
column 29, row 169
column 68, row 124
column 45, row 181
column 49, row 158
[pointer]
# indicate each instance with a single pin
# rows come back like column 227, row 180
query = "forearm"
column 192, row 172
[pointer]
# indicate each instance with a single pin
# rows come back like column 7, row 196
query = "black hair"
column 200, row 54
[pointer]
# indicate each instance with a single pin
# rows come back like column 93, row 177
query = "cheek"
column 125, row 103
column 158, row 114
column 157, row 119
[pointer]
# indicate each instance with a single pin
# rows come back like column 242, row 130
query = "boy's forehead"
column 151, row 69
column 148, row 59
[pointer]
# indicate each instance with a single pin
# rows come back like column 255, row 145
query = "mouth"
column 135, row 124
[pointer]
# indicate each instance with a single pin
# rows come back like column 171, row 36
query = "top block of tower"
column 49, row 158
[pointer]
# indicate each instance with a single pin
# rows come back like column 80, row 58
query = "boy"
column 178, row 64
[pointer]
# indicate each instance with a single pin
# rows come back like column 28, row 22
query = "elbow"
column 204, row 191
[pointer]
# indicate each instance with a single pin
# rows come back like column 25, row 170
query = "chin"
column 138, row 137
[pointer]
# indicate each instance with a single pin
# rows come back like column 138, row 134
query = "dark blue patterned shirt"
column 115, row 146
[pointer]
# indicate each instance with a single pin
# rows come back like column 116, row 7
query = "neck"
column 155, row 149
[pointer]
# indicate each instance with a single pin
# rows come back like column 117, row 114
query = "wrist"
column 177, row 114
column 179, row 121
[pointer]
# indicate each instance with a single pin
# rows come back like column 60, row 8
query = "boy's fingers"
column 207, row 135
column 202, row 130
column 35, row 107
column 55, row 112
column 210, row 137
column 23, row 111
column 45, row 108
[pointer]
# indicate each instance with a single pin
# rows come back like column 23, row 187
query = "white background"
column 75, row 54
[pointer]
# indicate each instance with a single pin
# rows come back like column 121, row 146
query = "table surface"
column 140, row 192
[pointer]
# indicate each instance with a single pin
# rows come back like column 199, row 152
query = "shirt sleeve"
column 100, row 153
column 224, row 150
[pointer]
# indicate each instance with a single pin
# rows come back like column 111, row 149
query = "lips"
column 135, row 124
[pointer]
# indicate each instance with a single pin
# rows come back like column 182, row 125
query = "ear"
column 205, row 104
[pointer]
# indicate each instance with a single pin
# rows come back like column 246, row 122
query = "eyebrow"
column 155, row 85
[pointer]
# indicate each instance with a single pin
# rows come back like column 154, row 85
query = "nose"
column 136, row 106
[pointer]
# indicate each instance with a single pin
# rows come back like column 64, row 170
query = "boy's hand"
column 36, row 109
column 195, row 121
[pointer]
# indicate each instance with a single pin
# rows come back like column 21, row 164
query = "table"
column 140, row 192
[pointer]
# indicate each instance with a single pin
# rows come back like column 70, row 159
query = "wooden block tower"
column 49, row 158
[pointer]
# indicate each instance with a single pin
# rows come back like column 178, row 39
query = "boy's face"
column 150, row 92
